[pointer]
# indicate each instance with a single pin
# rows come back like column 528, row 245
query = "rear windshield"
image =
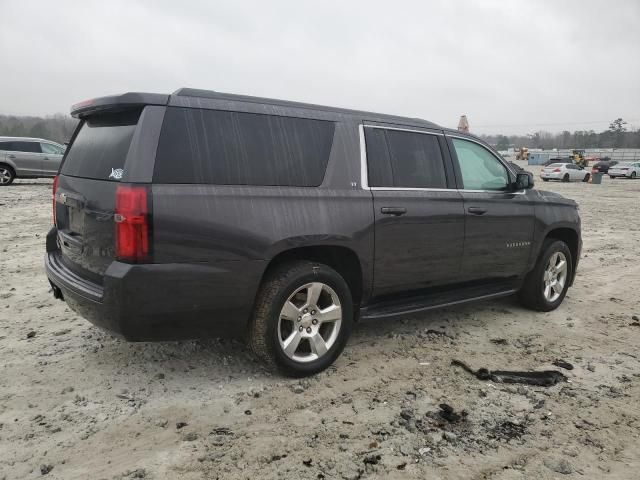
column 100, row 148
column 233, row 148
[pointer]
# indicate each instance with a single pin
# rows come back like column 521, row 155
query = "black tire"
column 531, row 295
column 7, row 175
column 545, row 179
column 277, row 287
column 612, row 177
column 566, row 177
column 586, row 178
column 633, row 175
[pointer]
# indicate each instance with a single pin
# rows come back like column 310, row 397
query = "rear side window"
column 100, row 148
column 402, row 159
column 17, row 146
column 233, row 148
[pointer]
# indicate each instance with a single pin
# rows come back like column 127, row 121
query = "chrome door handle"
column 477, row 210
column 11, row 156
column 397, row 211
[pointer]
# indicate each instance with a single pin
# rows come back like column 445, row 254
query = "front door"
column 51, row 158
column 498, row 222
column 419, row 219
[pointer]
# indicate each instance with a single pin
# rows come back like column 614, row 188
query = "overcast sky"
column 510, row 66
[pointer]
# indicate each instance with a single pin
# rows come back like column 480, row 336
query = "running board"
column 437, row 300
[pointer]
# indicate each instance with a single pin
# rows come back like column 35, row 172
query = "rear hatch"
column 85, row 198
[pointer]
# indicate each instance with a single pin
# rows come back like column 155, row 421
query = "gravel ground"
column 76, row 403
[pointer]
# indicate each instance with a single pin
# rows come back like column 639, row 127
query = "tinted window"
column 101, row 146
column 378, row 161
column 30, row 147
column 404, row 159
column 479, row 168
column 6, row 146
column 232, row 148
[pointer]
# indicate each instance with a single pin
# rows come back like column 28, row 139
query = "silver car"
column 625, row 169
column 22, row 157
column 566, row 172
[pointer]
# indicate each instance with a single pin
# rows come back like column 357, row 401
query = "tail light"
column 132, row 222
column 54, row 190
column 557, row 169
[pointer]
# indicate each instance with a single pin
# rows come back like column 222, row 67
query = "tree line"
column 616, row 136
column 58, row 127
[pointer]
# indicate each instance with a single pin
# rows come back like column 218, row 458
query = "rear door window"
column 234, row 148
column 100, row 148
column 27, row 147
column 6, row 146
column 401, row 159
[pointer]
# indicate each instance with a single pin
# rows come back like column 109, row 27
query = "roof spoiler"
column 117, row 102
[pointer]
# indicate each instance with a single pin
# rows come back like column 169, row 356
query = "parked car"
column 203, row 213
column 558, row 160
column 603, row 165
column 625, row 169
column 565, row 172
column 22, row 157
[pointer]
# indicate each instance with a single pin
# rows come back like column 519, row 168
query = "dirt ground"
column 76, row 403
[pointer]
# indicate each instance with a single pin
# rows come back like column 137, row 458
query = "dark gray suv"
column 203, row 213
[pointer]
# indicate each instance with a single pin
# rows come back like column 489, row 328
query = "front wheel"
column 586, row 178
column 545, row 179
column 565, row 178
column 302, row 318
column 633, row 175
column 546, row 285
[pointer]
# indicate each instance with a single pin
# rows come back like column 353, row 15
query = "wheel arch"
column 342, row 259
column 572, row 238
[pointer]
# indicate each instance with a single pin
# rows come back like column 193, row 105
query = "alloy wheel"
column 555, row 277
column 309, row 322
column 5, row 176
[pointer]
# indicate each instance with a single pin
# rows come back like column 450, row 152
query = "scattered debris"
column 45, row 469
column 190, row 437
column 32, row 334
column 546, row 378
column 450, row 415
column 500, row 341
column 558, row 362
column 180, row 425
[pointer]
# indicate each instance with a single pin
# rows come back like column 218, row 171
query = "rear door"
column 85, row 199
column 26, row 156
column 498, row 223
column 419, row 216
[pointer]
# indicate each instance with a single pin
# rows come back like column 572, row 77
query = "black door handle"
column 477, row 210
column 393, row 210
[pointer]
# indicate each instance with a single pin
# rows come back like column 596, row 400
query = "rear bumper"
column 551, row 176
column 161, row 301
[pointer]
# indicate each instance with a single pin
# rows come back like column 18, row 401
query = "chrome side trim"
column 364, row 180
column 404, row 130
column 521, row 192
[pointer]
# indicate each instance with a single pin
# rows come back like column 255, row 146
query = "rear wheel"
column 586, row 178
column 7, row 175
column 633, row 175
column 545, row 179
column 302, row 318
column 546, row 285
column 565, row 178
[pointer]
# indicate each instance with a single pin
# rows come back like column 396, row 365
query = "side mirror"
column 524, row 180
